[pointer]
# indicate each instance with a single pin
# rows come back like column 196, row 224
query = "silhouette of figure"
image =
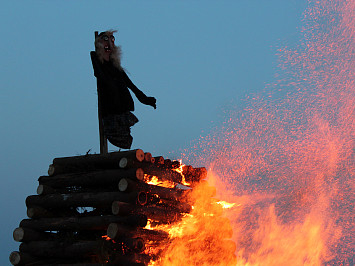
column 115, row 100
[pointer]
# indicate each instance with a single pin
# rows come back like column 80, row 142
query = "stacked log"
column 93, row 209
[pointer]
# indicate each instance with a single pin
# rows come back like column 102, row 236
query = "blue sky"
column 195, row 57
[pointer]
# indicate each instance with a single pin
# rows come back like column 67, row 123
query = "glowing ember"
column 106, row 237
column 288, row 158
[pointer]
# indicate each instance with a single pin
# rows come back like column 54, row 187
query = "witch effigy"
column 113, row 84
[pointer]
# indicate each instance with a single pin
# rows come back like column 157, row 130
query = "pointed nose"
column 110, row 45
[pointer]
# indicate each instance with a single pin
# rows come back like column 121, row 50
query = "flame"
column 203, row 235
column 180, row 170
column 225, row 205
column 288, row 157
column 106, row 237
column 153, row 180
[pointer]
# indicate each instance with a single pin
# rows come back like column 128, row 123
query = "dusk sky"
column 197, row 58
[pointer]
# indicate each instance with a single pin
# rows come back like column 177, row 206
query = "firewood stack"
column 93, row 210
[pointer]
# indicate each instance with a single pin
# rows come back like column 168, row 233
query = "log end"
column 159, row 160
column 142, row 198
column 113, row 230
column 44, row 190
column 123, row 162
column 140, row 174
column 138, row 245
column 15, row 258
column 51, row 170
column 148, row 157
column 140, row 155
column 18, row 234
column 123, row 185
column 30, row 212
column 120, row 208
column 20, row 258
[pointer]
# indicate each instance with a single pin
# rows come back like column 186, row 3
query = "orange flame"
column 202, row 236
column 153, row 180
column 288, row 158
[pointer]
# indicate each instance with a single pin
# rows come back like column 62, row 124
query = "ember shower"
column 288, row 158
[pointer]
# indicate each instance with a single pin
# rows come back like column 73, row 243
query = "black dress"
column 116, row 102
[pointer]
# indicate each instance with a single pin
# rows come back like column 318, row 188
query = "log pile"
column 93, row 209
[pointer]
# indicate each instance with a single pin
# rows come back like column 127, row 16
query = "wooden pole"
column 103, row 139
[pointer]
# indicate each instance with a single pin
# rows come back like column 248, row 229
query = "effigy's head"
column 106, row 49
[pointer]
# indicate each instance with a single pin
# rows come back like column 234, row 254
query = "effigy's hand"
column 152, row 102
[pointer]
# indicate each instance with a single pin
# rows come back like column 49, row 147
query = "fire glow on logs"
column 124, row 208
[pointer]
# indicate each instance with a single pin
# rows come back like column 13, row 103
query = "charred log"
column 91, row 179
column 153, row 170
column 148, row 157
column 92, row 161
column 56, row 249
column 83, row 223
column 159, row 160
column 79, row 199
column 21, row 258
column 193, row 175
column 21, row 234
column 116, row 231
column 160, row 214
column 126, row 185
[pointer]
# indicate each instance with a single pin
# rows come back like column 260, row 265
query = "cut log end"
column 142, row 198
column 18, row 234
column 51, row 170
column 15, row 258
column 148, row 157
column 140, row 174
column 140, row 155
column 123, row 163
column 121, row 208
column 123, row 185
column 44, row 190
column 159, row 160
column 114, row 230
column 20, row 258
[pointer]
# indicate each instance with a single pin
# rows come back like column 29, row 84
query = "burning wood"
column 163, row 192
column 116, row 231
column 161, row 214
column 133, row 197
